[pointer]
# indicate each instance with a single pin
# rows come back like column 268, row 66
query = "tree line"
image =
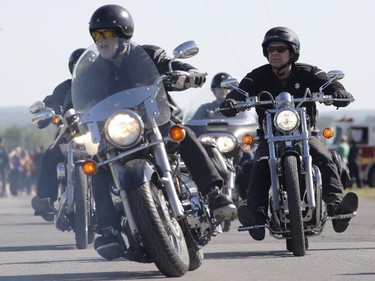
column 27, row 136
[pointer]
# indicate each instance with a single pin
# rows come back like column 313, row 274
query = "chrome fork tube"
column 70, row 179
column 307, row 161
column 272, row 163
column 115, row 170
column 162, row 161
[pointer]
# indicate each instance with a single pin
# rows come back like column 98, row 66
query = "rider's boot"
column 348, row 205
column 43, row 207
column 251, row 218
column 221, row 206
column 109, row 244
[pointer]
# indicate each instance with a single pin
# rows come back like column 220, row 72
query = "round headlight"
column 286, row 120
column 225, row 142
column 124, row 128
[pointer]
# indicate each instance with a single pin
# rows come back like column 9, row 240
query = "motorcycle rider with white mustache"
column 111, row 27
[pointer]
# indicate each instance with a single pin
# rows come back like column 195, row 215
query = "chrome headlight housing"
column 286, row 120
column 225, row 142
column 124, row 128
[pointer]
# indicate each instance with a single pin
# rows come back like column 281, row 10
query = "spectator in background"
column 28, row 169
column 16, row 171
column 37, row 159
column 4, row 167
column 354, row 164
column 343, row 149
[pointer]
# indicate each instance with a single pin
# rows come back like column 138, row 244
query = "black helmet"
column 283, row 34
column 113, row 17
column 218, row 78
column 74, row 58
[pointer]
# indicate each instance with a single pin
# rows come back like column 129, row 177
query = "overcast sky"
column 38, row 36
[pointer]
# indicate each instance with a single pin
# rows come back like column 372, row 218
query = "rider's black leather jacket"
column 161, row 60
column 303, row 76
column 57, row 98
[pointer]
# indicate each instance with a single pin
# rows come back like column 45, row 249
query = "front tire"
column 289, row 245
column 160, row 233
column 291, row 180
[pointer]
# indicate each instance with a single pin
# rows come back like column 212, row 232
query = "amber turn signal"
column 247, row 139
column 56, row 119
column 176, row 133
column 328, row 133
column 89, row 167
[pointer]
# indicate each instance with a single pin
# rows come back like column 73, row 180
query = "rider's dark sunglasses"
column 106, row 34
column 279, row 49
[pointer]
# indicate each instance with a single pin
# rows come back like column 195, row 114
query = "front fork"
column 70, row 181
column 66, row 171
column 162, row 161
column 306, row 158
column 230, row 181
column 115, row 168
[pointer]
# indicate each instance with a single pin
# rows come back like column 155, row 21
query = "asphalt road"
column 33, row 250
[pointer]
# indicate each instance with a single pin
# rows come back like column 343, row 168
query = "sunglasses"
column 279, row 49
column 106, row 34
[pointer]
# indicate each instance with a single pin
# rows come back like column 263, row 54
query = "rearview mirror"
column 186, row 50
column 43, row 118
column 229, row 83
column 336, row 74
column 36, row 107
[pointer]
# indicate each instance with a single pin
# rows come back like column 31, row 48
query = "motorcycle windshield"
column 100, row 89
column 199, row 108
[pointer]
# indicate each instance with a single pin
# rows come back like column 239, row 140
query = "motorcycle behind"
column 222, row 138
column 165, row 220
column 76, row 207
column 296, row 210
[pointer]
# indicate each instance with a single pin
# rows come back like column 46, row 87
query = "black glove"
column 341, row 94
column 228, row 108
column 175, row 82
column 196, row 81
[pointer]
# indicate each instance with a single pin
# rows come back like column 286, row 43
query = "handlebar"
column 179, row 79
column 255, row 102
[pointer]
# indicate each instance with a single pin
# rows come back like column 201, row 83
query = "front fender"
column 294, row 153
column 136, row 173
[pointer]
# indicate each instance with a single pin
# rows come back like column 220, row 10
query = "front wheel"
column 291, row 180
column 289, row 245
column 160, row 233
